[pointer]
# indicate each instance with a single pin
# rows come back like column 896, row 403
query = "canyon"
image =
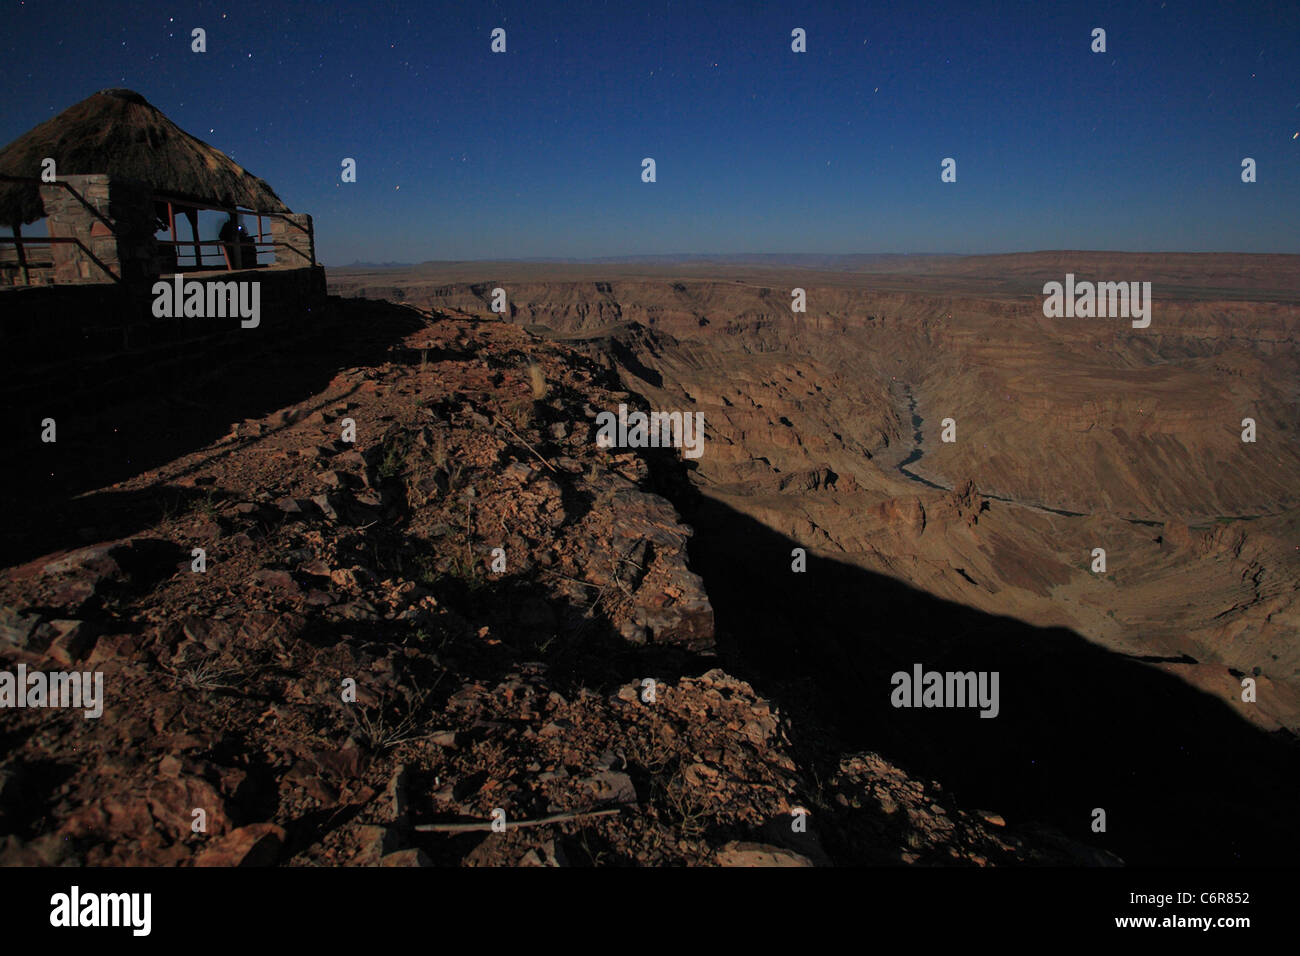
column 824, row 434
column 1073, row 435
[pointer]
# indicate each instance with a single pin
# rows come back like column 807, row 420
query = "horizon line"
column 706, row 256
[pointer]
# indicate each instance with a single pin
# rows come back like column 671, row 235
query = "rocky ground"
column 359, row 676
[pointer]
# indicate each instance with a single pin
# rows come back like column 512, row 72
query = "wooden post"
column 192, row 215
column 198, row 242
column 22, row 256
column 230, row 248
column 171, row 227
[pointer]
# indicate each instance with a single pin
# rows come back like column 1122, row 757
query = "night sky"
column 466, row 154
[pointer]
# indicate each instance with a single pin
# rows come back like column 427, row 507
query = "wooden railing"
column 25, row 263
column 261, row 242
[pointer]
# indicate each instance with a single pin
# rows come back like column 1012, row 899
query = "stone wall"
column 295, row 231
column 80, row 211
column 38, row 261
column 63, row 341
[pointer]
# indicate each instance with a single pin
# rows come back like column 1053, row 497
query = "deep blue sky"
column 538, row 152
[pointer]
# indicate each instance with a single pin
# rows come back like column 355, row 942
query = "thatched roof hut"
column 119, row 133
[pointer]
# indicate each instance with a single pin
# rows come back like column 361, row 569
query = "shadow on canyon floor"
column 1183, row 780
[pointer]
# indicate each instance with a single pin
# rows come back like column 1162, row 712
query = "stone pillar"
column 81, row 213
column 130, row 207
column 294, row 230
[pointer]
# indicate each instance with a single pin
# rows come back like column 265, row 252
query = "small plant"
column 682, row 802
column 394, row 460
column 652, row 755
column 605, row 497
column 466, row 569
column 171, row 507
column 426, row 569
column 519, row 410
column 538, row 381
column 460, row 565
column 456, row 478
column 208, row 675
column 207, row 505
column 438, row 451
column 424, row 638
column 380, row 731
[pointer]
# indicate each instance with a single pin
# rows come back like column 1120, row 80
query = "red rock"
column 71, row 642
column 279, row 581
column 255, row 845
column 414, row 857
column 738, row 853
column 173, row 800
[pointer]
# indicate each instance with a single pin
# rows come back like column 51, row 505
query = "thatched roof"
column 118, row 132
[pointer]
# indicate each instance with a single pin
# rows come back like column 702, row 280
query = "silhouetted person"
column 241, row 250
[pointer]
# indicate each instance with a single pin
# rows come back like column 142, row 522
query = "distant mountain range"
column 796, row 259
